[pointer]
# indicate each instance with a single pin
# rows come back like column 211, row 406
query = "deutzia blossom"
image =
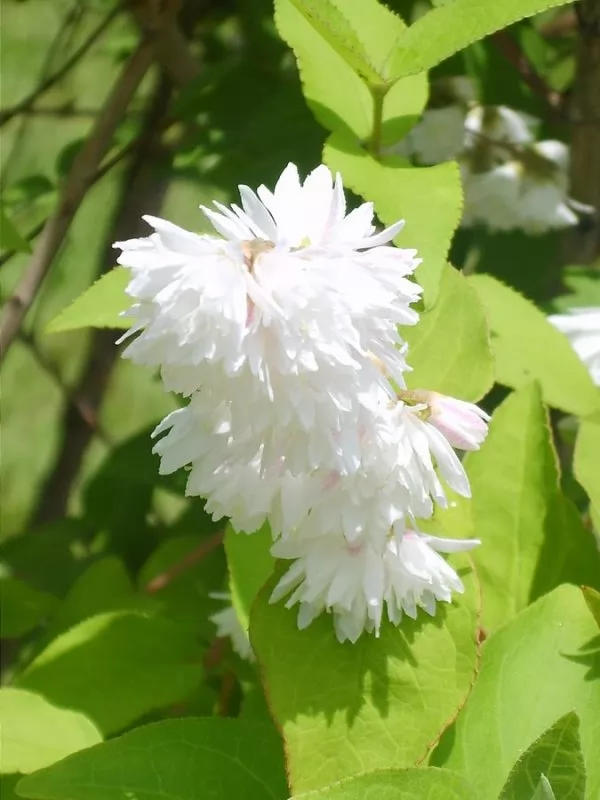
column 284, row 334
column 495, row 126
column 582, row 327
column 357, row 582
column 438, row 136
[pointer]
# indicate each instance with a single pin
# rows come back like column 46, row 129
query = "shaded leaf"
column 36, row 733
column 586, row 459
column 10, row 238
column 22, row 607
column 115, row 667
column 181, row 759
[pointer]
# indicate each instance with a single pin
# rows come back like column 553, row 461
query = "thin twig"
column 191, row 559
column 78, row 182
column 85, row 411
column 143, row 187
column 513, row 53
column 25, row 104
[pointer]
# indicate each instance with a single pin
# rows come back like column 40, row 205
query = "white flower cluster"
column 510, row 180
column 284, row 333
column 582, row 328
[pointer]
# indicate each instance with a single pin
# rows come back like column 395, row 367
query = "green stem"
column 378, row 94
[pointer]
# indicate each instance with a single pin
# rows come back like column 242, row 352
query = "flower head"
column 357, row 582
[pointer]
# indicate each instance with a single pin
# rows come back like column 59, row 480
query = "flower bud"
column 464, row 425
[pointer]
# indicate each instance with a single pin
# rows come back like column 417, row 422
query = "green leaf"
column 180, row 759
column 459, row 364
column 250, row 565
column 428, row 198
column 428, row 783
column 352, row 705
column 23, row 608
column 99, row 306
column 527, row 347
column 115, row 667
column 337, row 96
column 36, row 733
column 331, row 24
column 586, row 459
column 534, row 670
column 592, row 598
column 10, row 238
column 104, row 586
column 453, row 26
column 531, row 538
column 556, row 757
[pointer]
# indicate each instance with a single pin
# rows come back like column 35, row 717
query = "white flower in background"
column 438, row 136
column 488, row 125
column 463, row 425
column 528, row 194
column 357, row 582
column 228, row 627
column 582, row 327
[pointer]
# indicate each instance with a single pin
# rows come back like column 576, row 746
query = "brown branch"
column 144, row 186
column 158, row 23
column 582, row 246
column 512, row 52
column 165, row 578
column 25, row 104
column 76, row 185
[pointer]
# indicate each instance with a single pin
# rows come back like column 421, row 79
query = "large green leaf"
column 347, row 708
column 449, row 349
column 100, row 306
column 22, row 607
column 428, row 783
column 428, row 198
column 586, row 460
column 338, row 97
column 534, row 670
column 453, row 26
column 556, row 755
column 532, row 539
column 36, row 733
column 115, row 667
column 180, row 759
column 250, row 564
column 527, row 347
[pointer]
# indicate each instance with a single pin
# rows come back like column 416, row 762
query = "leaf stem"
column 378, row 94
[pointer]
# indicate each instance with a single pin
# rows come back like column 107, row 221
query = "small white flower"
column 494, row 126
column 464, row 425
column 356, row 581
column 582, row 327
column 228, row 627
column 439, row 135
